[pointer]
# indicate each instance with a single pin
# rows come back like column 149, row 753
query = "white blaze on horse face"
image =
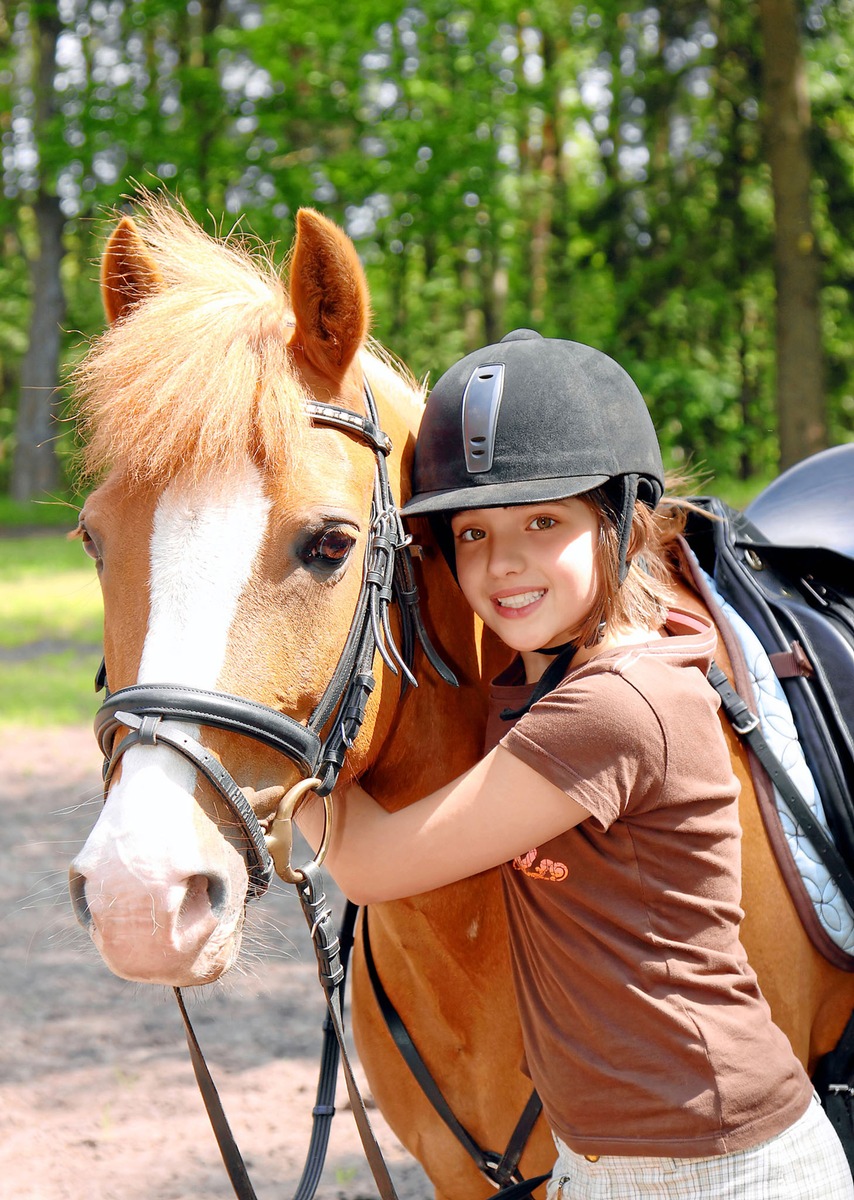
column 204, row 544
column 150, row 839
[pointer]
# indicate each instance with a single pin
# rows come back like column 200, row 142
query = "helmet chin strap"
column 553, row 674
column 624, row 516
column 552, row 650
column 551, row 677
column 623, row 492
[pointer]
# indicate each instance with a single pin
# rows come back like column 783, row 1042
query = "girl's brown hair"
column 644, row 596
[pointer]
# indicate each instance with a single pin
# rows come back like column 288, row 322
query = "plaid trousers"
column 804, row 1162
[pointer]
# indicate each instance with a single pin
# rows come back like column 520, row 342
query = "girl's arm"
column 498, row 810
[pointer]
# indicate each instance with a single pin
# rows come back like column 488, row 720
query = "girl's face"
column 530, row 572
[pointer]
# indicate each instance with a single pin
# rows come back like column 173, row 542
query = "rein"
column 332, row 953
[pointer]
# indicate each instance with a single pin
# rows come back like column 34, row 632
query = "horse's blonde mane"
column 198, row 375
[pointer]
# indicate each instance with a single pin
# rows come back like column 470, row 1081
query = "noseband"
column 387, row 576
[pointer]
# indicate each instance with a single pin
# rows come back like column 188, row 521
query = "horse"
column 229, row 529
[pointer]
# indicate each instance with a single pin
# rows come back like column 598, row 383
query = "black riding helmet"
column 533, row 419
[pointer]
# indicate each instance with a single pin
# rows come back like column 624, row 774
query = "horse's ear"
column 128, row 271
column 329, row 294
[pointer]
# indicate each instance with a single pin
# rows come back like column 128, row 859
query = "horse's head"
column 230, row 532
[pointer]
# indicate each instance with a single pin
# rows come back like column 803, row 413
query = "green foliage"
column 57, row 513
column 596, row 172
column 831, row 83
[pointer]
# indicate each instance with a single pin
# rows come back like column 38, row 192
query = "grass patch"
column 52, row 689
column 42, row 556
column 50, row 631
column 53, row 512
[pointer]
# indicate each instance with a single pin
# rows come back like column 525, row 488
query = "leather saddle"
column 811, row 504
column 786, row 565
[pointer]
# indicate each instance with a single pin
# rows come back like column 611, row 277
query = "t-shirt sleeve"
column 599, row 740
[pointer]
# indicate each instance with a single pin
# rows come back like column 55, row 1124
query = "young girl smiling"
column 605, row 795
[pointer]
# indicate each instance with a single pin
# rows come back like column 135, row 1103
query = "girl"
column 605, row 795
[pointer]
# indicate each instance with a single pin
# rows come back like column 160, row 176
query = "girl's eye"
column 330, row 548
column 543, row 523
column 471, row 535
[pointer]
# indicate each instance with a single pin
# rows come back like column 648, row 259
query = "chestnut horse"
column 229, row 533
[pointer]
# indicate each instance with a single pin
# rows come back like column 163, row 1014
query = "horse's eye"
column 90, row 546
column 330, row 548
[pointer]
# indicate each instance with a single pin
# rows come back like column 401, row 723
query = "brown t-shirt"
column 645, row 1031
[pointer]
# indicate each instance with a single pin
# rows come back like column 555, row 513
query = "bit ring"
column 280, row 837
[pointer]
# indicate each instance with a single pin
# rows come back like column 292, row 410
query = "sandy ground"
column 97, row 1096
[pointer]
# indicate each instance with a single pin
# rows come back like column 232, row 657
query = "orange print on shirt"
column 546, row 869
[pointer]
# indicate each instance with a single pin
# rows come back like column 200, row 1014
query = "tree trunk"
column 35, row 467
column 801, row 408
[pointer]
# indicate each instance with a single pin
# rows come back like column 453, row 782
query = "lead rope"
column 331, row 962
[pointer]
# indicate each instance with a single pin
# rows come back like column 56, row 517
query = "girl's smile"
column 529, row 571
column 517, row 603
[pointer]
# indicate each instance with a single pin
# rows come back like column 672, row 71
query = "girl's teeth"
column 520, row 601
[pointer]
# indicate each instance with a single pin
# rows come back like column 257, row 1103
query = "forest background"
column 672, row 183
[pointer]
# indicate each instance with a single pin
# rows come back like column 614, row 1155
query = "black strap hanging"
column 746, row 725
column 547, row 682
column 502, row 1170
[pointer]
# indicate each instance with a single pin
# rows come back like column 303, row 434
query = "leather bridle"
column 318, row 747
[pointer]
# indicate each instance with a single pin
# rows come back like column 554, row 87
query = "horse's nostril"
column 77, row 888
column 218, row 894
column 206, row 892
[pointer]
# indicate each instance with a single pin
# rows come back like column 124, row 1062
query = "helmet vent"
column 481, row 401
